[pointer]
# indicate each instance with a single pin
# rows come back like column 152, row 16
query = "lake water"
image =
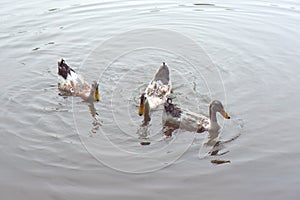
column 244, row 53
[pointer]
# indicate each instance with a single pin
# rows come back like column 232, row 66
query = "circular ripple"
column 123, row 66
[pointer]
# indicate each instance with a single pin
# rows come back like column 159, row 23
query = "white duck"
column 72, row 84
column 175, row 117
column 155, row 93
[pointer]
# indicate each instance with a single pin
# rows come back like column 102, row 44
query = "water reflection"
column 96, row 120
column 93, row 110
column 143, row 133
column 217, row 144
column 217, row 147
column 214, row 144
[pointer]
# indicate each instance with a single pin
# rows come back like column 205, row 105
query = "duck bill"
column 225, row 114
column 142, row 105
column 141, row 108
column 96, row 95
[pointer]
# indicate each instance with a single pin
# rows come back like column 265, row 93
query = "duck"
column 71, row 83
column 156, row 92
column 176, row 117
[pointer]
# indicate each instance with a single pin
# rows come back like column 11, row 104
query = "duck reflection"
column 96, row 120
column 143, row 132
column 216, row 144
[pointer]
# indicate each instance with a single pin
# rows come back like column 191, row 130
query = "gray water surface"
column 244, row 53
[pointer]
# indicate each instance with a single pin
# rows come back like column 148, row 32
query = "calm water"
column 244, row 53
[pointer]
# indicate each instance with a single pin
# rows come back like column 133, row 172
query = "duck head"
column 216, row 106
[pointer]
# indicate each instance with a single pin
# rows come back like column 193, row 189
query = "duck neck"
column 86, row 97
column 213, row 117
column 146, row 113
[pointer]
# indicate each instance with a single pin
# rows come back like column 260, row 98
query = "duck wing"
column 172, row 110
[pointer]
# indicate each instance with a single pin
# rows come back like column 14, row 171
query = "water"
column 243, row 53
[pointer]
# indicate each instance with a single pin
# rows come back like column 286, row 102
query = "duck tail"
column 64, row 69
column 163, row 74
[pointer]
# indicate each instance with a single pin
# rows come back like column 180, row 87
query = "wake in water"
column 216, row 146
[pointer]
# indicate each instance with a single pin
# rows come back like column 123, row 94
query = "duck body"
column 72, row 84
column 156, row 92
column 176, row 117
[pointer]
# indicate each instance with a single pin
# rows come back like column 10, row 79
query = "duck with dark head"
column 72, row 84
